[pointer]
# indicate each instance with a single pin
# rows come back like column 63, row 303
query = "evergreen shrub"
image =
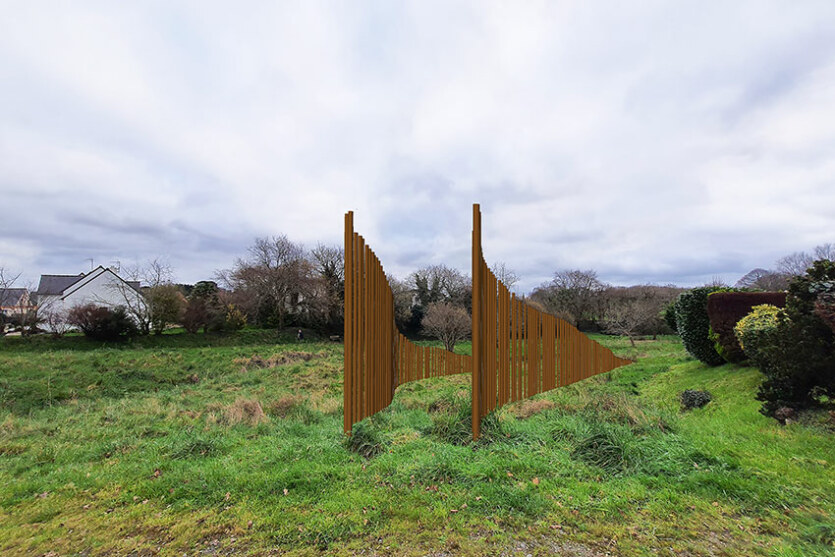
column 799, row 360
column 693, row 324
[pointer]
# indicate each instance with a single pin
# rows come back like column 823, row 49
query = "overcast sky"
column 664, row 142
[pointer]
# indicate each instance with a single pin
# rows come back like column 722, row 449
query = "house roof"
column 11, row 296
column 56, row 284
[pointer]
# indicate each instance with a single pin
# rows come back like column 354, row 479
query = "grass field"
column 228, row 445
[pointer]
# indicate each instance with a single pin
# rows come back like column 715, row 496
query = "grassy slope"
column 153, row 448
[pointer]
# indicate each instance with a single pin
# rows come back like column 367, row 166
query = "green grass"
column 232, row 444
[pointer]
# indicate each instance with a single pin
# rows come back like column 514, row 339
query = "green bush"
column 235, row 318
column 756, row 330
column 166, row 304
column 102, row 323
column 694, row 325
column 670, row 316
column 799, row 360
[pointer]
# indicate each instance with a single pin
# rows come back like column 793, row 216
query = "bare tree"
column 825, row 251
column 154, row 306
column 329, row 267
column 52, row 315
column 276, row 276
column 439, row 283
column 7, row 279
column 629, row 310
column 447, row 323
column 717, row 282
column 55, row 320
column 505, row 274
column 574, row 294
column 794, row 264
column 156, row 272
column 403, row 299
column 330, row 262
column 763, row 279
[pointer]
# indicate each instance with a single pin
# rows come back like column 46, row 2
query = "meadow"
column 233, row 445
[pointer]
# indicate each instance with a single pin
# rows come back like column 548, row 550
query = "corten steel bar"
column 476, row 326
column 519, row 351
column 377, row 357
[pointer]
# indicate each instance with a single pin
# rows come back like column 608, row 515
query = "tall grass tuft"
column 453, row 424
column 605, row 448
column 364, row 440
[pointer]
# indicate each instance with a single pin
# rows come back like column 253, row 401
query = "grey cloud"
column 655, row 143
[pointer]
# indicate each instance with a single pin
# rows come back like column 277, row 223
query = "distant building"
column 57, row 294
column 15, row 301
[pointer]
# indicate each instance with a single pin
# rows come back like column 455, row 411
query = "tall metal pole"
column 476, row 396
column 347, row 337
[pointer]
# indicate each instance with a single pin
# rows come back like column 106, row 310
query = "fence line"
column 377, row 357
column 517, row 351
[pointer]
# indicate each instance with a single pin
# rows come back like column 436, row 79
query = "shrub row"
column 794, row 348
column 725, row 309
column 693, row 324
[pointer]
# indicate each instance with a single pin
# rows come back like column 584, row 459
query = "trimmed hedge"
column 670, row 316
column 694, row 325
column 725, row 309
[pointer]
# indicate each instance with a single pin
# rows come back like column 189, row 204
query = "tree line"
column 280, row 283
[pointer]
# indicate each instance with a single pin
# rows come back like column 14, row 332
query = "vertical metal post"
column 347, row 339
column 476, row 395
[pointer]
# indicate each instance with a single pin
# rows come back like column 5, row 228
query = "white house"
column 57, row 294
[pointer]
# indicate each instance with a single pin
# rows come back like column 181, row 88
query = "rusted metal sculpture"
column 377, row 357
column 517, row 350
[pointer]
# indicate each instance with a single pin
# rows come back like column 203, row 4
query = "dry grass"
column 528, row 408
column 245, row 411
column 325, row 405
column 284, row 406
column 9, row 425
column 620, row 409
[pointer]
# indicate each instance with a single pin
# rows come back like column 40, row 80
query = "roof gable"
column 12, row 296
column 64, row 285
column 54, row 285
column 95, row 273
